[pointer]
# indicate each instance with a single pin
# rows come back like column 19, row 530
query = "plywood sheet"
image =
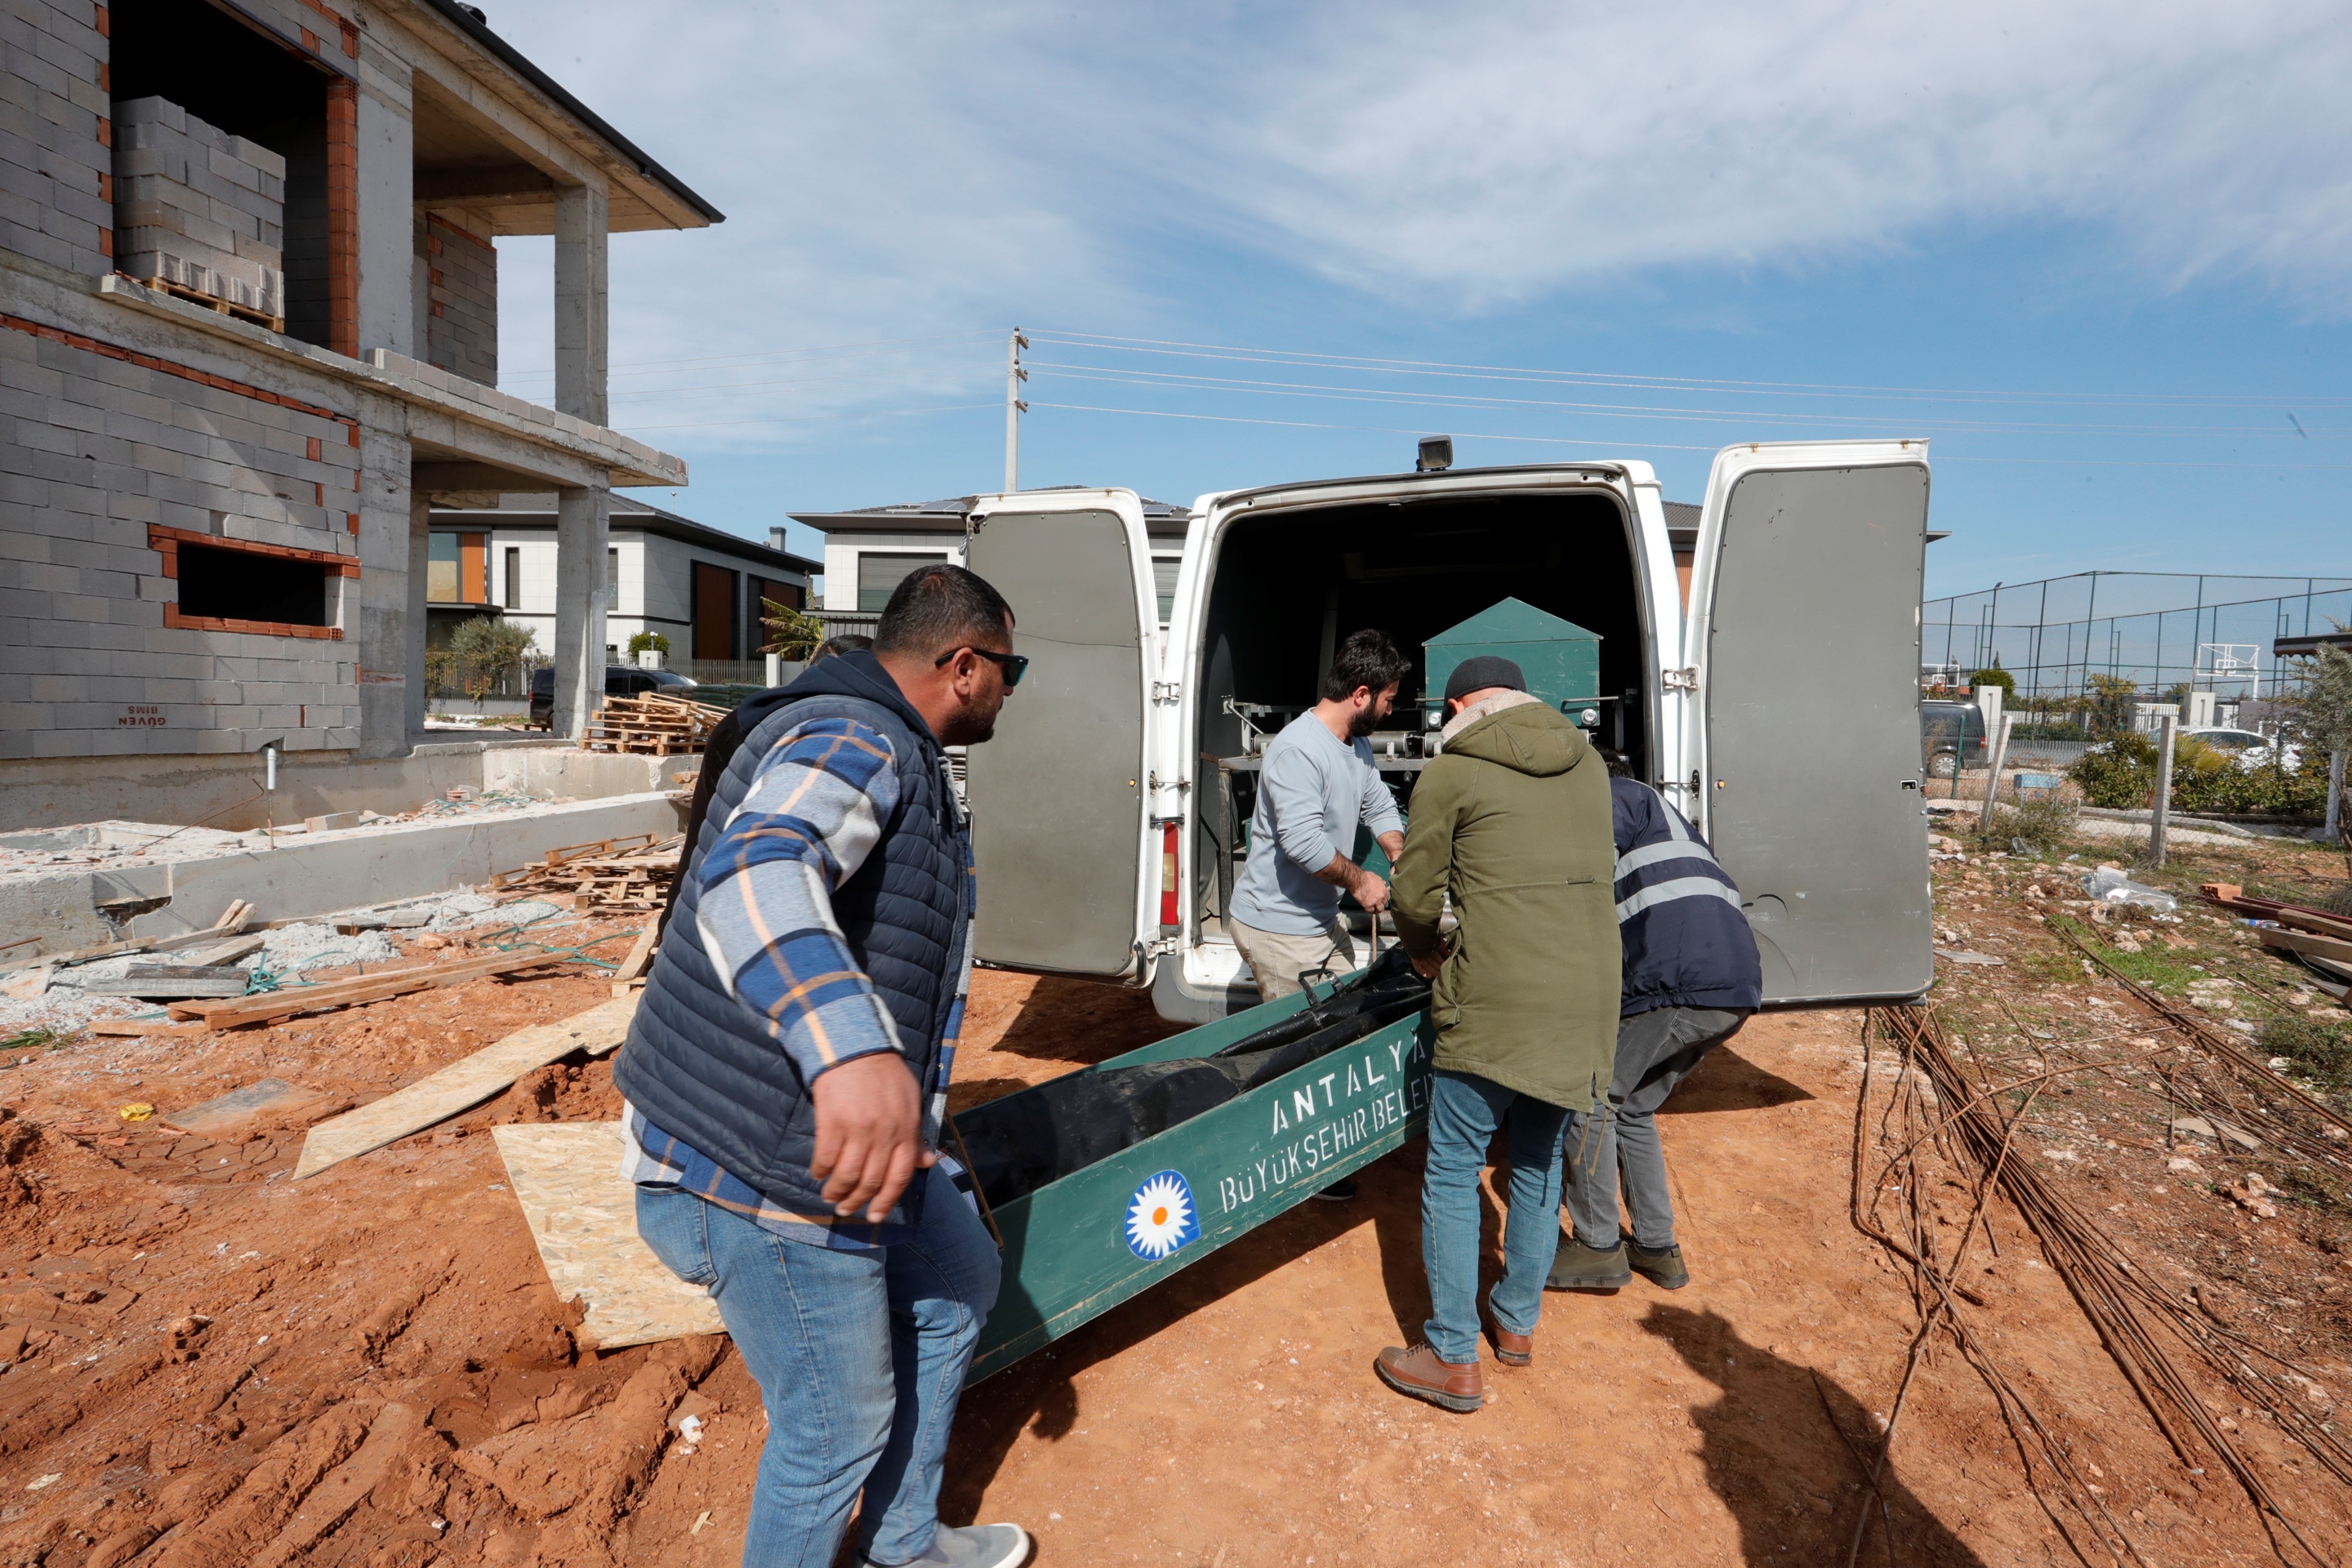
column 463, row 1084
column 583, row 1214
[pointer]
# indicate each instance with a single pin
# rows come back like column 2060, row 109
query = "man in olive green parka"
column 1513, row 825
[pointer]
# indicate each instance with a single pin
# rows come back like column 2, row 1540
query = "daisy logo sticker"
column 1161, row 1216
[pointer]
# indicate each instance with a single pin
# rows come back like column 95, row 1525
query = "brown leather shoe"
column 1450, row 1386
column 1510, row 1349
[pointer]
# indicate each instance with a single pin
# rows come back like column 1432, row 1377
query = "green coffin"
column 1560, row 659
column 1079, row 1246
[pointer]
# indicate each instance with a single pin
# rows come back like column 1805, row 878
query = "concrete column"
column 581, row 532
column 581, row 317
column 389, row 624
column 384, row 168
column 420, row 549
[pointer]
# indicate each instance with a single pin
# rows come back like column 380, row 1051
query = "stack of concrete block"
column 198, row 208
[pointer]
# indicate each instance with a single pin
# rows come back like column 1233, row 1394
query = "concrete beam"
column 583, row 519
column 320, row 874
column 478, row 185
column 443, row 477
column 582, row 293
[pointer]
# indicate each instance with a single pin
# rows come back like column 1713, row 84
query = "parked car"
column 2247, row 748
column 1951, row 737
column 620, row 681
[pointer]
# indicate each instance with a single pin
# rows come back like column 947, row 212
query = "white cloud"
column 891, row 170
column 1530, row 146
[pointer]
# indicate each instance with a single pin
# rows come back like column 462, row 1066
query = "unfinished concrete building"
column 248, row 336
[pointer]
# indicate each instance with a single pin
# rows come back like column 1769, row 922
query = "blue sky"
column 2098, row 254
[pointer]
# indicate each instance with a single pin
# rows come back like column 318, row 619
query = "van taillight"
column 1168, row 878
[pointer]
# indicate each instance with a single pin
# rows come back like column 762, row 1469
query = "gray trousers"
column 1655, row 1051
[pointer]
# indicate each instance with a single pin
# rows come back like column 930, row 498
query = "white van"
column 1778, row 709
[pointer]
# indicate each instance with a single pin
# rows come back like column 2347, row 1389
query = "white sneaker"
column 973, row 1546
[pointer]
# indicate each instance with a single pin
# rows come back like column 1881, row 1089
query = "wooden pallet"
column 650, row 726
column 198, row 297
column 629, row 876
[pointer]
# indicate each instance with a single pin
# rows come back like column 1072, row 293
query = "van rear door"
column 1804, row 638
column 1058, row 794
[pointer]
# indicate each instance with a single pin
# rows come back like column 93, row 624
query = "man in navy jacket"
column 1691, row 977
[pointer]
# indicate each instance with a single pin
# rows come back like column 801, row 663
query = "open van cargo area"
column 1287, row 587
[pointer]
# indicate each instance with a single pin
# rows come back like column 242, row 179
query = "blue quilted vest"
column 702, row 1068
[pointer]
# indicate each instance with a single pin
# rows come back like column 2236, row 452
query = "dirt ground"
column 207, row 1364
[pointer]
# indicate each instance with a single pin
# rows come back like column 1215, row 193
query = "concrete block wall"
column 460, row 328
column 56, row 172
column 197, row 206
column 106, row 453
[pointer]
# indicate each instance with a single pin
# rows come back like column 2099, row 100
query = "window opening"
column 514, row 578
column 878, row 576
column 612, row 580
column 243, row 585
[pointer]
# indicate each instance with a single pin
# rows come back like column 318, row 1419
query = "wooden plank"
column 138, row 944
column 173, row 982
column 297, row 1000
column 2332, row 947
column 582, row 1214
column 130, row 1027
column 463, row 1084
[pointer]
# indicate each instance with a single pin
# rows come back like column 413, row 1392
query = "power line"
column 1308, row 357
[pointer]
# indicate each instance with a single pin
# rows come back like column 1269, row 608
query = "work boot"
column 1576, row 1266
column 973, row 1546
column 1450, row 1386
column 1339, row 1192
column 1663, row 1268
column 1510, row 1349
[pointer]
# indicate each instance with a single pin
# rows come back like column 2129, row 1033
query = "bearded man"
column 786, row 1075
column 1319, row 786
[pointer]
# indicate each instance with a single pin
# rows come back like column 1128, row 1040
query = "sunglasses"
column 1014, row 665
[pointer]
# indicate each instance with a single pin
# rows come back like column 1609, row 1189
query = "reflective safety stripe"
column 1680, row 888
column 1677, row 849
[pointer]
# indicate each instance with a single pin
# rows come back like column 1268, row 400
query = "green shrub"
column 2319, row 1049
column 654, row 640
column 2038, row 827
column 2123, row 777
column 1996, row 675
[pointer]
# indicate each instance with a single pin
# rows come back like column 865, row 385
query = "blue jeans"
column 1463, row 1111
column 860, row 1358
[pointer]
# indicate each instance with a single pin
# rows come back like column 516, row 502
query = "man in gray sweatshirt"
column 1318, row 786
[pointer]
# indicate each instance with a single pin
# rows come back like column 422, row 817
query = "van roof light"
column 1437, row 455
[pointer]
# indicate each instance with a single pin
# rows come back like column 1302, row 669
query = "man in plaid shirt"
column 786, row 1078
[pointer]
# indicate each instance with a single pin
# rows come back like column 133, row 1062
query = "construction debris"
column 240, row 1107
column 627, row 876
column 463, row 1085
column 173, row 982
column 650, row 726
column 269, row 1007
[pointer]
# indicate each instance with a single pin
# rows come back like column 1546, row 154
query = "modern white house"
column 869, row 550
column 698, row 586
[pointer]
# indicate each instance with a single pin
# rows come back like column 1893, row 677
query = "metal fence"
column 2159, row 630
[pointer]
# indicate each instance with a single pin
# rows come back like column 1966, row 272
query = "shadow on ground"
column 1039, row 1393
column 1797, row 1499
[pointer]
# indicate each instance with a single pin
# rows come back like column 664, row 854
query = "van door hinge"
column 1685, row 679
column 1179, row 785
column 1158, row 949
column 1166, row 690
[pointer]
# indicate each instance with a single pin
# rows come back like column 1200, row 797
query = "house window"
column 1163, row 579
column 878, row 576
column 612, row 580
column 457, row 569
column 231, row 585
column 514, row 578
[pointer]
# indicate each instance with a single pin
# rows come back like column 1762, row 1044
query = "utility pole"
column 1014, row 409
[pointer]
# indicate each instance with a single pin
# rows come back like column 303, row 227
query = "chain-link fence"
column 2149, row 635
